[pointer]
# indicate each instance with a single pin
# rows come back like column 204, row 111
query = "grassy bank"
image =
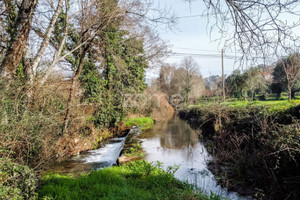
column 142, row 122
column 271, row 106
column 137, row 180
column 256, row 145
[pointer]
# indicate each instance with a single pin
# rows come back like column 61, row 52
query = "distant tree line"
column 283, row 76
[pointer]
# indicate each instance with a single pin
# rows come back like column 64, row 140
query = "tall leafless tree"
column 291, row 67
column 256, row 28
column 190, row 68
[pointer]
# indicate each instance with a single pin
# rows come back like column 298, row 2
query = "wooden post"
column 223, row 78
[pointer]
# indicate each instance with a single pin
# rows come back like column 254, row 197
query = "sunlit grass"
column 139, row 180
column 143, row 122
column 269, row 105
column 272, row 106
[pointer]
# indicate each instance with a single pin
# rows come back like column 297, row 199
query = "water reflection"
column 176, row 143
column 178, row 135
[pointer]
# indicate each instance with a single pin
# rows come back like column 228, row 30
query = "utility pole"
column 223, row 78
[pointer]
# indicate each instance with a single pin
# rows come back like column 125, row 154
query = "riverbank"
column 136, row 180
column 255, row 145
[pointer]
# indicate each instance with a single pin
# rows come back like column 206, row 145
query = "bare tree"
column 184, row 80
column 260, row 28
column 165, row 76
column 190, row 68
column 46, row 38
column 291, row 67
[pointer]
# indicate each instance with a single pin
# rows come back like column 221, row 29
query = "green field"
column 271, row 106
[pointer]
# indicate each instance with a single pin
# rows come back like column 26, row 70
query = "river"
column 174, row 143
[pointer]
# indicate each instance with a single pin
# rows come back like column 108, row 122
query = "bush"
column 29, row 126
column 16, row 181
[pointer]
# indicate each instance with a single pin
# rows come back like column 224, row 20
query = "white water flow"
column 176, row 143
column 105, row 156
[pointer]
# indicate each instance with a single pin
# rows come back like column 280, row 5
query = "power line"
column 196, row 49
column 180, row 54
column 192, row 49
column 218, row 55
column 191, row 16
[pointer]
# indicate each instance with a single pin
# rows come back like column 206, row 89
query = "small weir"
column 106, row 156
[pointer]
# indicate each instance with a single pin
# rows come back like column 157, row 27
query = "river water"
column 176, row 143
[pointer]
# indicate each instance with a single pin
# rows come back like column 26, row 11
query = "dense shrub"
column 28, row 126
column 16, row 181
column 258, row 145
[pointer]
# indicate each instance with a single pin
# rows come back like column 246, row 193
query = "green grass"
column 135, row 150
column 143, row 122
column 139, row 180
column 270, row 106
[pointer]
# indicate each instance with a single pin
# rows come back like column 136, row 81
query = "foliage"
column 246, row 84
column 110, row 74
column 143, row 122
column 135, row 150
column 23, row 130
column 91, row 80
column 138, row 180
column 16, row 181
column 122, row 73
column 235, row 84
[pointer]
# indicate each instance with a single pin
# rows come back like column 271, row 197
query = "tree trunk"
column 19, row 38
column 293, row 95
column 57, row 54
column 27, row 64
column 289, row 92
column 47, row 36
column 72, row 89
